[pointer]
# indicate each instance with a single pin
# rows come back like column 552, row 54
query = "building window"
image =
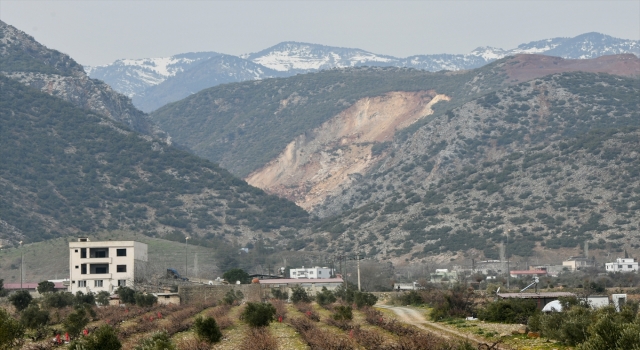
column 619, row 266
column 319, row 272
column 99, row 252
column 76, row 250
column 83, row 269
column 99, row 269
column 82, row 283
column 97, row 283
column 630, row 266
column 121, row 268
column 122, row 283
column 121, row 252
column 83, row 253
column 76, row 266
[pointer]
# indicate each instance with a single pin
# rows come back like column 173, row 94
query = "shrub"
column 258, row 314
column 58, row 300
column 455, row 302
column 299, row 295
column 46, row 287
column 362, row 299
column 158, row 341
column 508, row 311
column 278, row 294
column 259, row 339
column 104, row 338
column 234, row 275
column 3, row 292
column 232, row 297
column 409, row 298
column 192, row 344
column 11, row 331
column 102, row 298
column 207, row 329
column 281, row 308
column 342, row 313
column 325, row 297
column 32, row 317
column 145, row 300
column 76, row 321
column 127, row 295
column 85, row 299
column 20, row 299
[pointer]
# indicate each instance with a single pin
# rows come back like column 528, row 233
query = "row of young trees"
column 35, row 315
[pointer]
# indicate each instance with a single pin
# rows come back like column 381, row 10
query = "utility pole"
column 358, row 256
column 186, row 256
column 21, row 264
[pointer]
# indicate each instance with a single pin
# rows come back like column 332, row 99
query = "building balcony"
column 107, row 260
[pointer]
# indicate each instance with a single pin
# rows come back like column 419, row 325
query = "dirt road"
column 416, row 318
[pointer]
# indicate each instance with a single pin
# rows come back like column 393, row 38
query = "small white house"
column 310, row 272
column 622, row 265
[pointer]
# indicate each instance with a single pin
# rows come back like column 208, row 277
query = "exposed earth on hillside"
column 319, row 163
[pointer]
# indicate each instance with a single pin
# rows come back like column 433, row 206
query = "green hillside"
column 244, row 125
column 547, row 164
column 66, row 171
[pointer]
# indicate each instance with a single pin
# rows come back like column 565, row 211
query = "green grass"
column 50, row 259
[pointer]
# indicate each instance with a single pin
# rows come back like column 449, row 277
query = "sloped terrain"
column 140, row 78
column 132, row 77
column 65, row 170
column 322, row 161
column 243, row 126
column 27, row 61
column 219, row 69
column 550, row 163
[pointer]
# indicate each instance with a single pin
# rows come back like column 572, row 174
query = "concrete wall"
column 205, row 293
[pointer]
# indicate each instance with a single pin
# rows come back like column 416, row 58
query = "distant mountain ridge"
column 144, row 80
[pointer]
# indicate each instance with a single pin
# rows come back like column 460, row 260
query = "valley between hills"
column 405, row 165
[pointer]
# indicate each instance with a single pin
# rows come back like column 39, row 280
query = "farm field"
column 294, row 326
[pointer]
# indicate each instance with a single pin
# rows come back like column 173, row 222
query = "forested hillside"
column 24, row 59
column 65, row 171
column 551, row 163
column 244, row 125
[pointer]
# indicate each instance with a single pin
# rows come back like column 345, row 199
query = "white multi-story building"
column 311, row 272
column 622, row 265
column 104, row 266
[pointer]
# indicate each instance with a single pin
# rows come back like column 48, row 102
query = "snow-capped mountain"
column 304, row 57
column 133, row 76
column 216, row 70
column 153, row 82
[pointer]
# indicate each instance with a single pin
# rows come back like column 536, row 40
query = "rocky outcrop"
column 321, row 162
column 24, row 59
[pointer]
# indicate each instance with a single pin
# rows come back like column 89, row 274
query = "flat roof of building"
column 301, row 280
column 536, row 295
column 100, row 244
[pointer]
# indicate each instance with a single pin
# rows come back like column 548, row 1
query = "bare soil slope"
column 320, row 162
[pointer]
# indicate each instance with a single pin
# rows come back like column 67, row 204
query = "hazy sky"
column 99, row 32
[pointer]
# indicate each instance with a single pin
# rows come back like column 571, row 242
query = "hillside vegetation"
column 65, row 170
column 548, row 163
column 245, row 125
column 24, row 59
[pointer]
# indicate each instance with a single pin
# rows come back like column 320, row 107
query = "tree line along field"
column 226, row 324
